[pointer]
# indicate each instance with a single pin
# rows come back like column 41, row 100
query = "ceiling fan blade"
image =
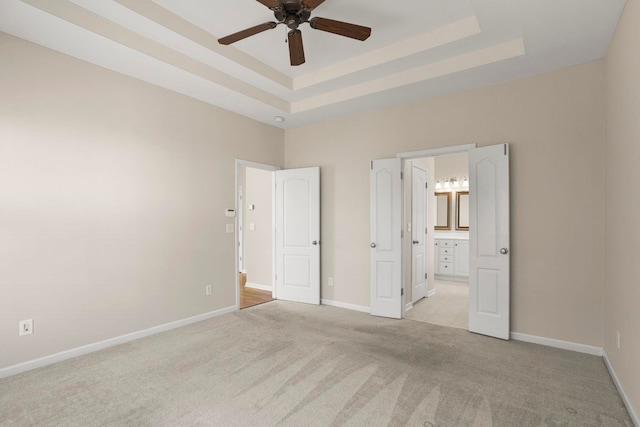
column 247, row 33
column 345, row 29
column 312, row 4
column 296, row 49
column 271, row 4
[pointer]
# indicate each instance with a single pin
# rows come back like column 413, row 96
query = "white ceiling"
column 417, row 49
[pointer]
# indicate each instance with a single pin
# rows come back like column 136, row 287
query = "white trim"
column 625, row 398
column 408, row 307
column 339, row 304
column 434, row 152
column 430, row 293
column 101, row 345
column 565, row 345
column 258, row 286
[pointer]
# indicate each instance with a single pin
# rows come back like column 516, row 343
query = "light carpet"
column 290, row 364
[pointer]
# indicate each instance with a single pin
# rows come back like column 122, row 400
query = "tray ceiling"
column 417, row 48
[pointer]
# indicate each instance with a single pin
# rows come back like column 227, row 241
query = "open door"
column 489, row 241
column 386, row 238
column 297, row 212
column 418, row 234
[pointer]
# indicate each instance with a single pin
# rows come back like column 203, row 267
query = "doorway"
column 283, row 260
column 255, row 235
column 488, row 225
column 446, row 301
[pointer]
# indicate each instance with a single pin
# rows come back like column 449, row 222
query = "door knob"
column 504, row 251
column 415, row 242
column 315, row 242
column 373, row 245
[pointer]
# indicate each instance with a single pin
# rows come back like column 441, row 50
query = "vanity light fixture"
column 438, row 185
column 465, row 181
column 454, row 182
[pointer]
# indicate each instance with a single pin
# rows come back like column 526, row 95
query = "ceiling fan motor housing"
column 292, row 13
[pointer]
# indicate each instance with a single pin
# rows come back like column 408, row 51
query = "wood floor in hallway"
column 250, row 297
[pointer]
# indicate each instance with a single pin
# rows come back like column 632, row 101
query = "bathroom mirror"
column 443, row 204
column 462, row 211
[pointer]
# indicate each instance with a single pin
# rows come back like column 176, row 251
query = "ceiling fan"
column 292, row 13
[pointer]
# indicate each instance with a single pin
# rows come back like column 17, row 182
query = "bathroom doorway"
column 438, row 226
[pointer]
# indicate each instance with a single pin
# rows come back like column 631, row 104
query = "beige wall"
column 555, row 125
column 112, row 197
column 258, row 243
column 622, row 291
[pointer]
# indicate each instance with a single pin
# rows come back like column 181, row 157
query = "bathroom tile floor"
column 448, row 307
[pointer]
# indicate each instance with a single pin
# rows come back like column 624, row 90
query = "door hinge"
column 426, row 185
column 371, row 164
column 402, row 234
column 505, row 149
column 401, row 175
column 401, row 291
column 238, row 244
column 426, row 230
column 425, row 275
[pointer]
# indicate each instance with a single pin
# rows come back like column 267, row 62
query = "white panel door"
column 418, row 234
column 386, row 240
column 298, row 235
column 489, row 241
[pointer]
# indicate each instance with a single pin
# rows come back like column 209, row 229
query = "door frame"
column 262, row 166
column 410, row 155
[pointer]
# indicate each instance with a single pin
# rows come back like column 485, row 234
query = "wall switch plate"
column 330, row 281
column 252, row 226
column 207, row 290
column 26, row 327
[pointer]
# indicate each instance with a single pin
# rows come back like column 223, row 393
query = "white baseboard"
column 550, row 342
column 408, row 307
column 90, row 348
column 339, row 304
column 625, row 399
column 257, row 286
column 430, row 293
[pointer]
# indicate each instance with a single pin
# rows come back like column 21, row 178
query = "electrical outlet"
column 618, row 339
column 330, row 281
column 207, row 290
column 26, row 327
